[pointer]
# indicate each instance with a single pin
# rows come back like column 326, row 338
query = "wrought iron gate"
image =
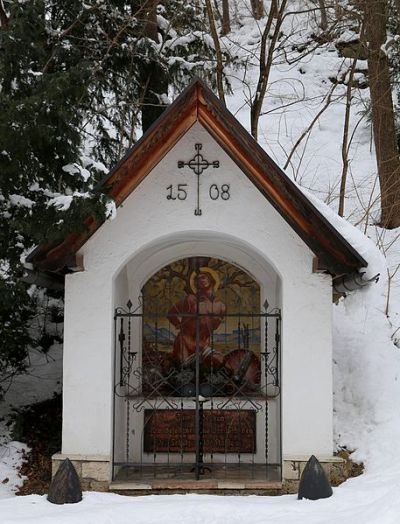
column 194, row 382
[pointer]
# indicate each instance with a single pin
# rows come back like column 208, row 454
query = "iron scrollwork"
column 207, row 399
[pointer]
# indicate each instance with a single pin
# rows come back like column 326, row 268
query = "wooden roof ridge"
column 197, row 103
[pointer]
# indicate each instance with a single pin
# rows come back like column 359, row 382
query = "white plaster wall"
column 121, row 297
column 148, row 223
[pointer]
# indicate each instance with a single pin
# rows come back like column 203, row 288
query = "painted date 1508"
column 180, row 192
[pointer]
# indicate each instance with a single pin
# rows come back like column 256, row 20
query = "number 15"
column 180, row 193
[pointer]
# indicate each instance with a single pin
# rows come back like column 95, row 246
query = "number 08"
column 222, row 192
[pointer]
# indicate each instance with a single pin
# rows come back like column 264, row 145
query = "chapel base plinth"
column 93, row 471
column 95, row 475
column 335, row 469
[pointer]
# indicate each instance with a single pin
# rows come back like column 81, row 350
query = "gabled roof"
column 198, row 104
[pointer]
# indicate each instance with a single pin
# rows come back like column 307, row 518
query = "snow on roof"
column 356, row 238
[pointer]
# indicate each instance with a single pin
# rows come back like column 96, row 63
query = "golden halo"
column 211, row 272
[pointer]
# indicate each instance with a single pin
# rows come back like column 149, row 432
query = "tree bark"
column 218, row 53
column 324, row 17
column 345, row 141
column 153, row 77
column 266, row 58
column 383, row 122
column 226, row 20
column 257, row 8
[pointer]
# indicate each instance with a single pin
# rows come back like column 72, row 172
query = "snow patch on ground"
column 11, row 459
column 42, row 380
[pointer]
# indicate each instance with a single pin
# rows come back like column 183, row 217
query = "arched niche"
column 135, row 272
column 161, row 284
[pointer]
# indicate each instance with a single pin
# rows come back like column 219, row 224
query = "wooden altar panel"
column 225, row 431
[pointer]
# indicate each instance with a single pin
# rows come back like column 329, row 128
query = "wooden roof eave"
column 335, row 254
column 198, row 103
column 149, row 151
column 159, row 139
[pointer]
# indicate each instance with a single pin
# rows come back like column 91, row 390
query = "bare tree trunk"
column 226, row 20
column 218, row 53
column 266, row 62
column 150, row 25
column 383, row 124
column 345, row 141
column 153, row 77
column 324, row 17
column 257, row 8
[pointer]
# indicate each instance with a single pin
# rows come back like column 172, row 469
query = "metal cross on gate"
column 198, row 164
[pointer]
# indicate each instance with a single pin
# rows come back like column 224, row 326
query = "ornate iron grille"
column 194, row 384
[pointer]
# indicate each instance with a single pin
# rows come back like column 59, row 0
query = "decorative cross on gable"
column 198, row 164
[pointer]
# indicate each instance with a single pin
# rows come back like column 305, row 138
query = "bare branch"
column 311, row 125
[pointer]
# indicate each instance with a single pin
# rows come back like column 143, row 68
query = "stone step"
column 208, row 484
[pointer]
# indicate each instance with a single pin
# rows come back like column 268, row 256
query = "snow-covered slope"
column 366, row 359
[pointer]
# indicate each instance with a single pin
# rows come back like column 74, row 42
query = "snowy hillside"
column 366, row 323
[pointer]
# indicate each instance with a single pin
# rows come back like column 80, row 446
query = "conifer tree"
column 73, row 83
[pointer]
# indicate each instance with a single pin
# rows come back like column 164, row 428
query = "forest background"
column 82, row 80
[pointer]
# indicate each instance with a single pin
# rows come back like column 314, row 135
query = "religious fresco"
column 201, row 311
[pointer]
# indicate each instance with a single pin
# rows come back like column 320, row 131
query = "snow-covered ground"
column 366, row 323
column 366, row 500
column 11, row 459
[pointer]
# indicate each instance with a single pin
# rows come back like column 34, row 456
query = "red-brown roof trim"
column 198, row 104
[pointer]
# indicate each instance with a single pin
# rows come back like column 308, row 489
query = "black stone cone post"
column 314, row 484
column 65, row 488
